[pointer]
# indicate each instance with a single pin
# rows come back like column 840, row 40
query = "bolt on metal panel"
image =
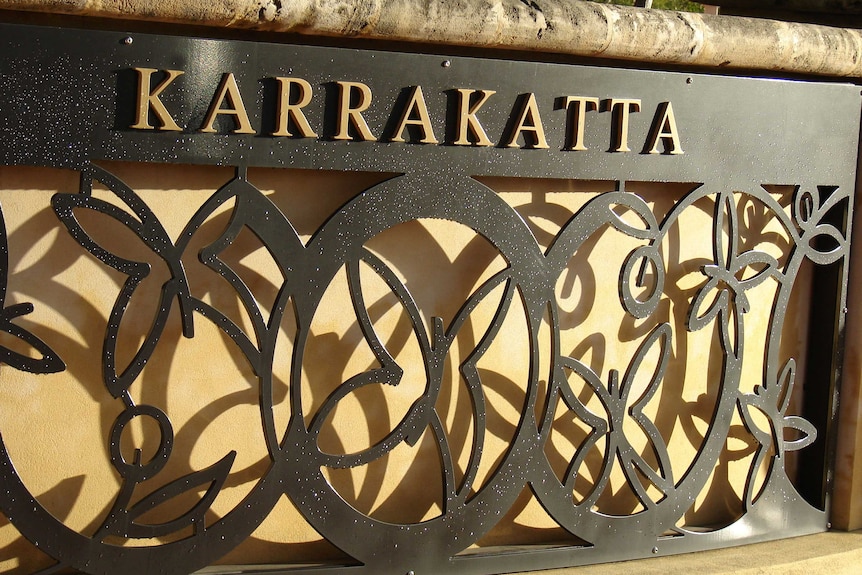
column 441, row 131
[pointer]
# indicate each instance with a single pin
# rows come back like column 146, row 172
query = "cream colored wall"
column 56, row 426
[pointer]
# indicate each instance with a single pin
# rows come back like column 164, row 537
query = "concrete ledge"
column 835, row 552
column 571, row 27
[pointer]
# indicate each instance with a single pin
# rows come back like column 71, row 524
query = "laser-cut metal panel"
column 69, row 101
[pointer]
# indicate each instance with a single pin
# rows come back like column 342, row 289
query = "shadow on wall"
column 57, row 427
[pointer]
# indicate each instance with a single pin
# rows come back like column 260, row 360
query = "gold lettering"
column 530, row 110
column 467, row 119
column 230, row 91
column 621, row 108
column 149, row 100
column 575, row 133
column 286, row 110
column 417, row 103
column 664, row 129
column 353, row 115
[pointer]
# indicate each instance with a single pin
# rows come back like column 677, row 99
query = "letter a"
column 664, row 129
column 230, row 91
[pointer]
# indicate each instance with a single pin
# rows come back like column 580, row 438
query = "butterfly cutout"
column 252, row 210
column 434, row 349
column 617, row 402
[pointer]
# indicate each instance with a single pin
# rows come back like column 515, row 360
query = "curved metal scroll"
column 524, row 288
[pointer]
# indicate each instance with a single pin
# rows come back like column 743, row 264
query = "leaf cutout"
column 146, row 226
column 698, row 319
column 813, row 217
column 827, row 255
column 786, row 381
column 64, row 207
column 754, row 259
column 633, row 204
column 805, row 205
column 806, row 429
column 725, row 210
column 50, row 362
column 214, row 475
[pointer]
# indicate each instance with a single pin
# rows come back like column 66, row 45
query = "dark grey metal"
column 738, row 135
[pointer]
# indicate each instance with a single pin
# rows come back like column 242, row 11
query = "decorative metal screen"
column 569, row 290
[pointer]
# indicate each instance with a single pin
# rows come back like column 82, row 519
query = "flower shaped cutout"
column 724, row 293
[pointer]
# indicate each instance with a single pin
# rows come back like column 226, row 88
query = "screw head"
column 446, row 63
column 654, row 550
column 127, row 40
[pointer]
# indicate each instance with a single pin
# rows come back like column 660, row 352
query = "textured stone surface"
column 555, row 26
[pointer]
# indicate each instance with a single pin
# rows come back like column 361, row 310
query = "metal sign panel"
column 441, row 128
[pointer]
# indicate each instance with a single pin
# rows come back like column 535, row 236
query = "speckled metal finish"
column 67, row 102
